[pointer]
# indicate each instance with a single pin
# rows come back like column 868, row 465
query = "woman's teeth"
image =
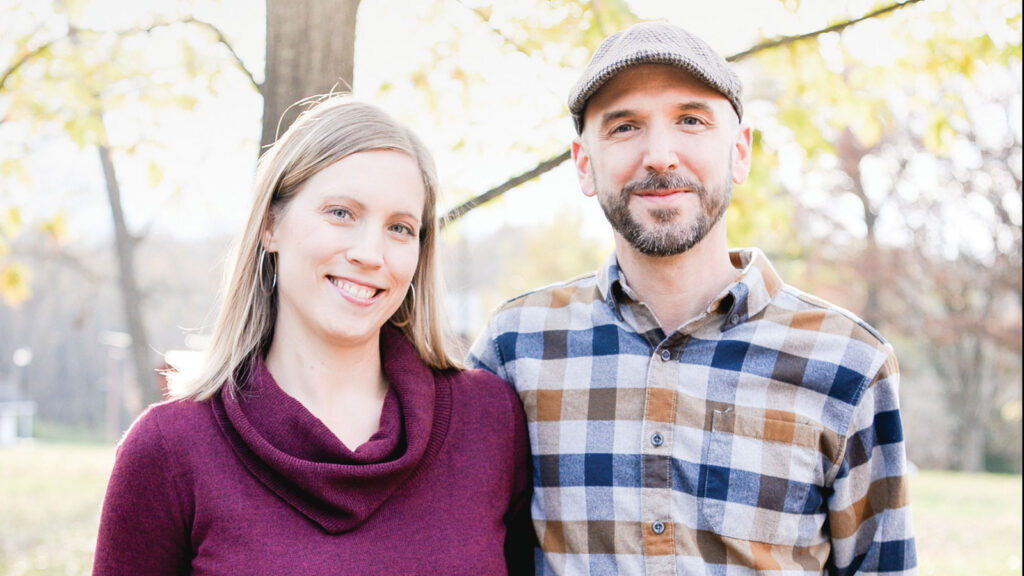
column 354, row 289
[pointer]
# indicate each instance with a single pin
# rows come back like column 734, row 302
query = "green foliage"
column 835, row 81
column 537, row 26
column 57, row 72
column 760, row 214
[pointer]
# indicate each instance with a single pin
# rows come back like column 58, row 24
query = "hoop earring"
column 412, row 290
column 259, row 275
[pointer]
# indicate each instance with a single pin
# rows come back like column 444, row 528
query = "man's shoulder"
column 578, row 290
column 827, row 317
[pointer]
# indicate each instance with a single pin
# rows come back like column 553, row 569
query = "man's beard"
column 665, row 237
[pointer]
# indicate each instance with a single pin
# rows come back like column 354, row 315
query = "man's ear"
column 581, row 158
column 743, row 151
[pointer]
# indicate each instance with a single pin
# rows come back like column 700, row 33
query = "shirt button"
column 657, row 439
column 658, row 527
column 734, row 319
column 666, row 355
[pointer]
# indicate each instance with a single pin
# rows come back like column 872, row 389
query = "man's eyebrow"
column 697, row 105
column 609, row 117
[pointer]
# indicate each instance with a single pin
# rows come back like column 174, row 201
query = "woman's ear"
column 268, row 236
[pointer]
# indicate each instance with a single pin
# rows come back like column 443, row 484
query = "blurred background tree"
column 887, row 172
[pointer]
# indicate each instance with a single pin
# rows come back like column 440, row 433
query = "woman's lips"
column 354, row 291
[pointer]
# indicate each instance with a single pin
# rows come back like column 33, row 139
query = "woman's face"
column 347, row 246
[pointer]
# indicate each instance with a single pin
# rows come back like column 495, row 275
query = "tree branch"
column 221, row 38
column 545, row 166
column 833, row 28
column 20, row 61
column 73, row 31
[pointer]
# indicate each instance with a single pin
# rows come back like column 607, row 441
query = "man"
column 689, row 412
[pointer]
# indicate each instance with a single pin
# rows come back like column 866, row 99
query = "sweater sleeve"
column 520, row 540
column 869, row 513
column 144, row 526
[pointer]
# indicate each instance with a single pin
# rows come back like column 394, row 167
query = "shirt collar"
column 755, row 287
column 609, row 283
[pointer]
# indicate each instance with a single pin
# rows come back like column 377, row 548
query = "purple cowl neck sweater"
column 255, row 484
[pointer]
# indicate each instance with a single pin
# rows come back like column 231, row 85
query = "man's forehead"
column 649, row 79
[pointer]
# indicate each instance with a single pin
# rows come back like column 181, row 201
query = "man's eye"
column 692, row 121
column 622, row 128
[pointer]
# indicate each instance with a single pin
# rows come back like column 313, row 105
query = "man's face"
column 661, row 151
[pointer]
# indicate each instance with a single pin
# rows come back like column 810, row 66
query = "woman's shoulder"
column 168, row 422
column 479, row 380
column 482, row 389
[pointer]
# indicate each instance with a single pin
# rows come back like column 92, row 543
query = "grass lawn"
column 967, row 524
column 50, row 496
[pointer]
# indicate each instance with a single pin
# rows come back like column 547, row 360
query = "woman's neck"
column 343, row 386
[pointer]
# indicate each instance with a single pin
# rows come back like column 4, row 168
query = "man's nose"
column 662, row 153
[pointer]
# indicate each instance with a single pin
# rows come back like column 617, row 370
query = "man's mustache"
column 665, row 181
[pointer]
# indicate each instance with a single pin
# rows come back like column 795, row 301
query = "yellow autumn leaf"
column 156, row 174
column 14, row 283
column 10, row 222
column 56, row 227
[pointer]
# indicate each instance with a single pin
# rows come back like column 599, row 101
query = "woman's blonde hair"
column 333, row 128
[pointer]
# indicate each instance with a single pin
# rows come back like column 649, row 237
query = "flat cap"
column 654, row 43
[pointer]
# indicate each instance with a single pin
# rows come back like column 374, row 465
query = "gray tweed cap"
column 654, row 43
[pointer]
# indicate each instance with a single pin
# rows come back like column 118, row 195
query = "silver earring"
column 412, row 289
column 259, row 274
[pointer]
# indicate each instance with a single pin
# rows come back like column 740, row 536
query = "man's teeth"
column 354, row 289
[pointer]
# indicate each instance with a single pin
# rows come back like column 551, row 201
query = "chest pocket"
column 762, row 480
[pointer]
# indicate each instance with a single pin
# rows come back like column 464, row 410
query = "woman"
column 329, row 432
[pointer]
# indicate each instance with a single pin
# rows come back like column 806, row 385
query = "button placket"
column 660, row 414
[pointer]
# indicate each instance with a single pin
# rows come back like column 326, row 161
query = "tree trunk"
column 145, row 390
column 310, row 51
column 975, row 406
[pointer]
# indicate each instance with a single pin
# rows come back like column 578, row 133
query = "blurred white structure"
column 16, row 414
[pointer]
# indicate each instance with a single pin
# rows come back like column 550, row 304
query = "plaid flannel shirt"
column 763, row 436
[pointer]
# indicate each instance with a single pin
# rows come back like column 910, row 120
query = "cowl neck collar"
column 298, row 458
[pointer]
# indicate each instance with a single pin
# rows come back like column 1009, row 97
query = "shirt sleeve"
column 869, row 511
column 520, row 539
column 143, row 525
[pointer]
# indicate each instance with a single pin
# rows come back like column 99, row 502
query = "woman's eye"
column 403, row 229
column 340, row 213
